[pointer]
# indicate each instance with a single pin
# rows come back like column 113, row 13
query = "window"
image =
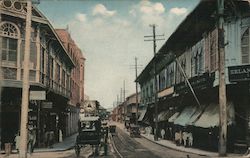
column 201, row 61
column 63, row 78
column 9, row 49
column 196, row 64
column 245, row 47
column 42, row 59
column 183, row 66
column 171, row 74
column 213, row 50
column 57, row 73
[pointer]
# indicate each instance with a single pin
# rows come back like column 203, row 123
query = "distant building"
column 131, row 108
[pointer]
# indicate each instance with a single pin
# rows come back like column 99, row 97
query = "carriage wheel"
column 77, row 150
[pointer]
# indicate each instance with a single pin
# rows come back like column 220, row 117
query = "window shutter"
column 245, row 47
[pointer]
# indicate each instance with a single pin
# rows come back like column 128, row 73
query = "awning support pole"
column 186, row 78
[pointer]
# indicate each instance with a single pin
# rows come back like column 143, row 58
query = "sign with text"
column 47, row 105
column 166, row 92
column 37, row 95
column 198, row 83
column 239, row 73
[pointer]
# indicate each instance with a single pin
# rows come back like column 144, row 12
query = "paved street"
column 141, row 147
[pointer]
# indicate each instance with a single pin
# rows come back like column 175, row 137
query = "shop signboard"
column 37, row 95
column 239, row 73
column 198, row 83
column 47, row 105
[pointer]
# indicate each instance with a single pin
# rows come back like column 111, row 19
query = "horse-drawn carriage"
column 89, row 133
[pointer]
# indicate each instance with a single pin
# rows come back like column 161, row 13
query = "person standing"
column 190, row 139
column 185, row 137
column 31, row 140
column 162, row 133
column 17, row 141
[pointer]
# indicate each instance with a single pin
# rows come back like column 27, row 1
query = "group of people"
column 31, row 140
column 185, row 138
column 180, row 137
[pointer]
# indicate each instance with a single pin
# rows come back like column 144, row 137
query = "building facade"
column 51, row 67
column 76, row 76
column 191, row 53
column 131, row 108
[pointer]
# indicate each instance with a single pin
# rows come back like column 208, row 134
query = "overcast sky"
column 111, row 33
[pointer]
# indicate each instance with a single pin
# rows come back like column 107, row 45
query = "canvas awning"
column 185, row 116
column 173, row 117
column 164, row 116
column 210, row 117
column 142, row 115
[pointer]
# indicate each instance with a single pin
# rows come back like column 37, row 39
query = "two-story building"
column 76, row 78
column 191, row 53
column 51, row 68
column 131, row 108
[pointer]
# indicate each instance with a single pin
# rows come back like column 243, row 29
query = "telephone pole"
column 124, row 91
column 136, row 92
column 222, row 85
column 155, row 80
column 25, row 89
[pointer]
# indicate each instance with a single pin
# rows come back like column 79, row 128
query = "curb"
column 190, row 152
column 175, row 148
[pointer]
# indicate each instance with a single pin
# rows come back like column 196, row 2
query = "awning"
column 210, row 117
column 185, row 116
column 164, row 116
column 143, row 112
column 173, row 117
column 195, row 116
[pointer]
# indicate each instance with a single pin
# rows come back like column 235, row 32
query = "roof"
column 190, row 31
column 54, row 33
column 199, row 21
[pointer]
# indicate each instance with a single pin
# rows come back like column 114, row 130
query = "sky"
column 111, row 33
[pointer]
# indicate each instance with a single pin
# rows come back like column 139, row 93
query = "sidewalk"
column 170, row 144
column 66, row 144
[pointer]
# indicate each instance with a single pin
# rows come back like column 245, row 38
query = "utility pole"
column 155, row 80
column 25, row 89
column 121, row 96
column 136, row 92
column 222, row 85
column 124, row 91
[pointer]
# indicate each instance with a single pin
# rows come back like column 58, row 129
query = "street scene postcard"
column 124, row 78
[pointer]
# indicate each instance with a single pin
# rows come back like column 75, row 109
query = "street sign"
column 37, row 95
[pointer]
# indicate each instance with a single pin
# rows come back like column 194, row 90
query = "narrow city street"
column 140, row 147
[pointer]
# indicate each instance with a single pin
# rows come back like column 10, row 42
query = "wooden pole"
column 136, row 91
column 25, row 89
column 222, row 85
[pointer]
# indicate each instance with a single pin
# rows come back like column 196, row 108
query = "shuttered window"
column 245, row 47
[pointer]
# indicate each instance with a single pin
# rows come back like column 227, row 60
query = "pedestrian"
column 60, row 135
column 185, row 137
column 190, row 139
column 180, row 137
column 51, row 139
column 31, row 139
column 162, row 133
column 17, row 141
column 176, row 138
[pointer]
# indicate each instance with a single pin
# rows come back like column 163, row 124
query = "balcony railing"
column 54, row 85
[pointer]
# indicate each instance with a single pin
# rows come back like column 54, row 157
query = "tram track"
column 126, row 147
